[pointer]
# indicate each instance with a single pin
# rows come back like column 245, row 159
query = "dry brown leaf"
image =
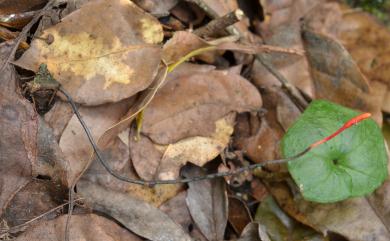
column 37, row 197
column 89, row 227
column 176, row 208
column 338, row 79
column 104, row 59
column 152, row 161
column 354, row 218
column 281, row 28
column 117, row 156
column 239, row 214
column 58, row 117
column 191, row 101
column 74, row 142
column 252, row 233
column 51, row 162
column 138, row 216
column 208, row 204
column 18, row 128
column 197, row 150
column 367, row 41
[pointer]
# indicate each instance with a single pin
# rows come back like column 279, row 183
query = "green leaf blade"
column 354, row 163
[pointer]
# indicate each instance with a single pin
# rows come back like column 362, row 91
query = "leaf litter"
column 223, row 109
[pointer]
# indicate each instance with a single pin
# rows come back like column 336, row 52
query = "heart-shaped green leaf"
column 352, row 164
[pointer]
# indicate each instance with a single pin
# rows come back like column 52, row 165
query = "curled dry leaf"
column 164, row 161
column 208, row 204
column 104, row 59
column 190, row 103
column 138, row 216
column 337, row 78
column 51, row 161
column 116, row 154
column 355, row 218
column 158, row 8
column 84, row 227
column 18, row 128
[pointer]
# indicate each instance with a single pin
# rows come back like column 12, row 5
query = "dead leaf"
column 19, row 127
column 89, row 227
column 208, row 204
column 37, row 197
column 51, row 162
column 279, row 226
column 58, row 117
column 251, row 233
column 74, row 142
column 176, row 208
column 116, row 154
column 138, row 216
column 197, row 150
column 354, row 218
column 239, row 215
column 104, row 59
column 342, row 82
column 191, row 102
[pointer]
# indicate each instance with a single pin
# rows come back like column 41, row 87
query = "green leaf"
column 354, row 163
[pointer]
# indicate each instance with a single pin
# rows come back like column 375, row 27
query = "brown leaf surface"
column 193, row 99
column 158, row 8
column 239, row 215
column 37, row 197
column 176, row 208
column 116, row 154
column 89, row 227
column 58, row 117
column 208, row 204
column 354, row 218
column 18, row 128
column 51, row 161
column 138, row 216
column 104, row 59
column 74, row 142
column 337, row 78
column 281, row 28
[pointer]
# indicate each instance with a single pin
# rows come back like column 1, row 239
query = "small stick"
column 215, row 26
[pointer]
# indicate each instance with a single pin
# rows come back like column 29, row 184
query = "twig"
column 218, row 24
column 24, row 32
column 17, row 227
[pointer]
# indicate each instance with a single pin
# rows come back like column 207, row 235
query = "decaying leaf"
column 176, row 208
column 279, row 226
column 74, row 142
column 191, row 102
column 100, row 59
column 239, row 215
column 337, row 78
column 355, row 219
column 138, row 216
column 37, row 197
column 116, row 154
column 84, row 227
column 208, row 204
column 18, row 128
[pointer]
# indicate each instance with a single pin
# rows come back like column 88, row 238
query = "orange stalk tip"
column 347, row 124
